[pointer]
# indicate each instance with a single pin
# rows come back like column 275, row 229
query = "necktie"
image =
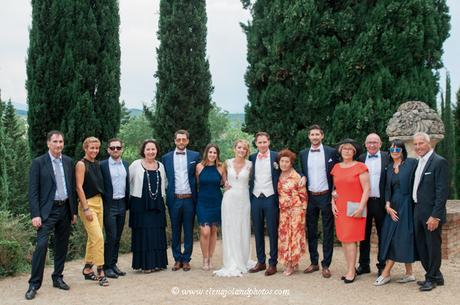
column 180, row 153
column 59, row 179
column 314, row 150
column 262, row 155
column 373, row 156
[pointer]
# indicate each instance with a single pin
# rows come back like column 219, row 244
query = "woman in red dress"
column 352, row 187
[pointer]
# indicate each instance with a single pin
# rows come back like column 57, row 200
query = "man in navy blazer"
column 317, row 162
column 377, row 162
column 52, row 204
column 181, row 197
column 264, row 202
column 430, row 193
column 115, row 173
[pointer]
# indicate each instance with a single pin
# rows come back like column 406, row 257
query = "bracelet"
column 85, row 209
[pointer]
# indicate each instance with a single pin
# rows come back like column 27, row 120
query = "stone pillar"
column 413, row 117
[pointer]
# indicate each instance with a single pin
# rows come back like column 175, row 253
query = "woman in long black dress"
column 147, row 217
column 398, row 240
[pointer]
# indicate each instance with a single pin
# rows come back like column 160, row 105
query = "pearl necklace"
column 152, row 195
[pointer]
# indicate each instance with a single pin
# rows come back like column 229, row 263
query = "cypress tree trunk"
column 73, row 71
column 345, row 65
column 183, row 95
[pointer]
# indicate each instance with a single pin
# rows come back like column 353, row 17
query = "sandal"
column 89, row 276
column 103, row 281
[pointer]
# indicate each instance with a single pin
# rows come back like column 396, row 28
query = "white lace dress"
column 236, row 223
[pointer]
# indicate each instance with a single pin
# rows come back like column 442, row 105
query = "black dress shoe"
column 438, row 283
column 428, row 286
column 118, row 271
column 111, row 273
column 363, row 269
column 421, row 283
column 30, row 294
column 59, row 283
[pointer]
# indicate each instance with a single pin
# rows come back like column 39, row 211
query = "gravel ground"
column 200, row 287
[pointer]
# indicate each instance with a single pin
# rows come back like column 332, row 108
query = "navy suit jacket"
column 385, row 160
column 193, row 158
column 330, row 157
column 42, row 186
column 274, row 169
column 433, row 189
column 108, row 188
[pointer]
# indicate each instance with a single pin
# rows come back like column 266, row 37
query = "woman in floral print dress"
column 293, row 205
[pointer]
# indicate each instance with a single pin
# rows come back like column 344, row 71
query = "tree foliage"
column 183, row 95
column 346, row 65
column 73, row 72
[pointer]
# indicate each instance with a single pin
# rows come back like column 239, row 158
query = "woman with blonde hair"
column 209, row 177
column 236, row 214
column 90, row 187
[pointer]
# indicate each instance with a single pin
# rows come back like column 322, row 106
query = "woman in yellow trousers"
column 90, row 188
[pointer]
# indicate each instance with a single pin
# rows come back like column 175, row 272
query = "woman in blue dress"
column 398, row 240
column 147, row 218
column 209, row 173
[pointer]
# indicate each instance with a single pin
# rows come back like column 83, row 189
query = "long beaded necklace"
column 152, row 195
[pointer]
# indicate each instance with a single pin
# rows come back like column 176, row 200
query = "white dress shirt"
column 418, row 173
column 118, row 176
column 263, row 178
column 375, row 169
column 181, row 174
column 317, row 177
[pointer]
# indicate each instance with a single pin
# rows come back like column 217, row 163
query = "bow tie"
column 180, row 152
column 315, row 150
column 262, row 156
column 373, row 156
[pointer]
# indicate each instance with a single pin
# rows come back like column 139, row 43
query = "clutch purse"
column 353, row 206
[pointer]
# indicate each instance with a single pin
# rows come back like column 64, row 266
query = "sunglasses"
column 115, row 147
column 395, row 149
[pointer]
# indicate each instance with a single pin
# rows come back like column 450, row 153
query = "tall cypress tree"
column 4, row 182
column 346, row 65
column 73, row 65
column 183, row 95
column 457, row 142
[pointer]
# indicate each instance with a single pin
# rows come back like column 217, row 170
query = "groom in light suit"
column 181, row 197
column 264, row 202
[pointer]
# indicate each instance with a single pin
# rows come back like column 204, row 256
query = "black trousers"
column 375, row 211
column 59, row 221
column 114, row 222
column 317, row 204
column 428, row 245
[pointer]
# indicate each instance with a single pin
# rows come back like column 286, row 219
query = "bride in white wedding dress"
column 236, row 214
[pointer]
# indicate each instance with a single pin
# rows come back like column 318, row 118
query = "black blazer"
column 385, row 160
column 330, row 157
column 433, row 189
column 107, row 197
column 42, row 186
column 406, row 181
column 274, row 169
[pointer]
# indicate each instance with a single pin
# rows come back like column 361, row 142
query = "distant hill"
column 133, row 112
column 21, row 113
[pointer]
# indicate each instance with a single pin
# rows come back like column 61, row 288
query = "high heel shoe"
column 205, row 266
column 89, row 276
column 103, row 281
column 347, row 281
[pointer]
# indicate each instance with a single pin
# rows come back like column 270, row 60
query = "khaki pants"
column 95, row 242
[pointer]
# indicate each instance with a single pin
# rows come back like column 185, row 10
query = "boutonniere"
column 276, row 166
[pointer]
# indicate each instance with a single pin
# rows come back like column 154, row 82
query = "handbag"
column 353, row 206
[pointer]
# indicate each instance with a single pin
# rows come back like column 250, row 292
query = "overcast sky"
column 139, row 24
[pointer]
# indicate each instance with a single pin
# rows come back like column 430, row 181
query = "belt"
column 374, row 198
column 320, row 193
column 183, row 196
column 60, row 202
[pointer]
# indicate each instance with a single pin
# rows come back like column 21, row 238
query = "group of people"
column 406, row 198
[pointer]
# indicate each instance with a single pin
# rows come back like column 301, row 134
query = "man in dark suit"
column 264, row 202
column 181, row 197
column 317, row 162
column 115, row 173
column 430, row 193
column 377, row 163
column 52, row 206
